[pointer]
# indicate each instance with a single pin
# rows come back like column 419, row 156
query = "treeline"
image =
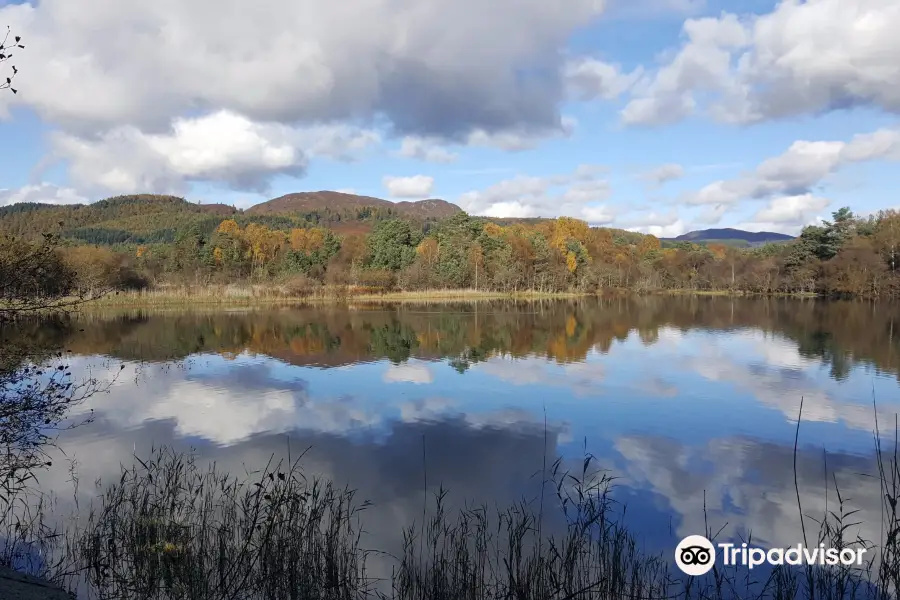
column 847, row 256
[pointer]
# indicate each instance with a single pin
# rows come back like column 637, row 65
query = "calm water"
column 681, row 399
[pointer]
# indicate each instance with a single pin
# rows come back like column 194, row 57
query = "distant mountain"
column 713, row 235
column 304, row 202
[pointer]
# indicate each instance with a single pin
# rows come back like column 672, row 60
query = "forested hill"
column 150, row 219
column 153, row 219
column 305, row 202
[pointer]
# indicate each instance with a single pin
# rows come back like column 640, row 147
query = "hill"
column 304, row 202
column 147, row 218
column 727, row 233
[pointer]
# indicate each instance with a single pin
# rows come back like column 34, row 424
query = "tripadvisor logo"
column 696, row 555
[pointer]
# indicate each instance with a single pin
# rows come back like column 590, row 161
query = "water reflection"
column 689, row 402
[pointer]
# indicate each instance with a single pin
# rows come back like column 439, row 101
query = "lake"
column 689, row 403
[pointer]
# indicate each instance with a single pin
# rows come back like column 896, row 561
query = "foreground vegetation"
column 170, row 528
column 309, row 255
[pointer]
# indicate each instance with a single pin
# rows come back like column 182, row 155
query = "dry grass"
column 272, row 294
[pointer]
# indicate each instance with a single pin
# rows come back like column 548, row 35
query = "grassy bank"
column 280, row 295
column 247, row 295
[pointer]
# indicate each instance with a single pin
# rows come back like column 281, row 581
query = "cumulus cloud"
column 663, row 174
column 803, row 57
column 46, row 193
column 591, row 79
column 576, row 194
column 667, row 230
column 423, row 67
column 222, row 146
column 792, row 210
column 794, row 173
column 658, row 224
column 417, row 186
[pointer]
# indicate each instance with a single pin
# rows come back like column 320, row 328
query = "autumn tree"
column 99, row 270
column 649, row 246
column 886, row 238
column 33, row 277
column 857, row 269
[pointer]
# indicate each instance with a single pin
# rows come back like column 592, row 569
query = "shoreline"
column 273, row 295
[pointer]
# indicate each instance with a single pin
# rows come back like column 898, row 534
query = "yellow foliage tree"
column 307, row 240
column 263, row 243
column 428, row 251
column 648, row 244
column 230, row 227
column 493, row 230
column 566, row 229
column 571, row 262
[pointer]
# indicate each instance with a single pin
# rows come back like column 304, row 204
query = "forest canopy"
column 145, row 241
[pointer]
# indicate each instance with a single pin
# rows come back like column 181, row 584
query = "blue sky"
column 655, row 115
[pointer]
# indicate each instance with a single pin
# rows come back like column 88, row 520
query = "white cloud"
column 222, row 146
column 46, row 193
column 301, row 77
column 791, row 210
column 423, row 67
column 589, row 79
column 788, row 180
column 663, row 174
column 424, row 149
column 417, row 186
column 575, row 194
column 670, row 230
column 803, row 57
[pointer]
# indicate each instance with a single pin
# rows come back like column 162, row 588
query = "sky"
column 660, row 116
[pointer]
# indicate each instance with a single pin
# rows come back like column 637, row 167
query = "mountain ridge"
column 730, row 233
